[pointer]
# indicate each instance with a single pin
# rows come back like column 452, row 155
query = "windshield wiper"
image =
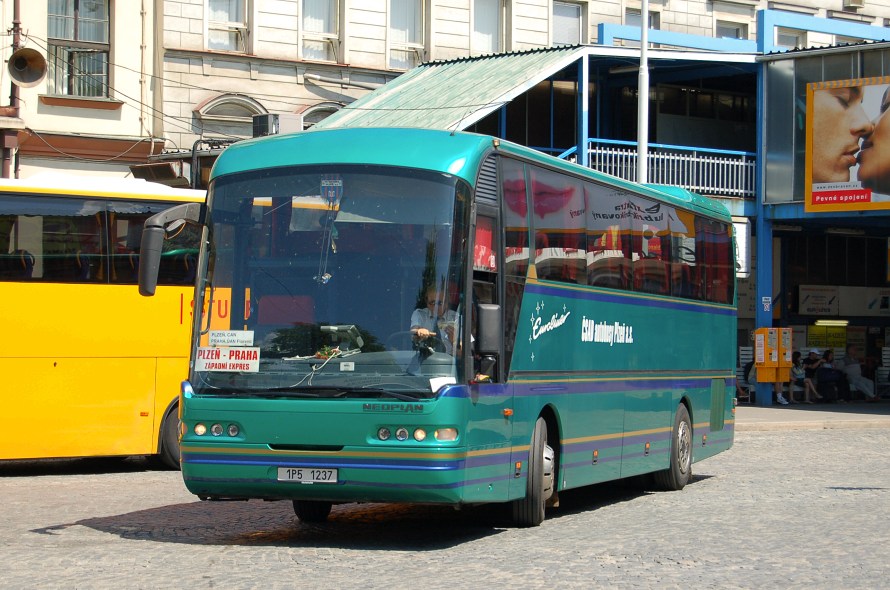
column 321, row 391
column 315, row 392
column 388, row 393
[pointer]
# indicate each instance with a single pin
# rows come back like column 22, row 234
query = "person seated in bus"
column 434, row 325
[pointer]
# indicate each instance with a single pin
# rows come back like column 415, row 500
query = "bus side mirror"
column 150, row 259
column 490, row 331
column 152, row 243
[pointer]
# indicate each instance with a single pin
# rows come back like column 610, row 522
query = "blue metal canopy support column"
column 583, row 95
column 763, row 314
column 763, row 256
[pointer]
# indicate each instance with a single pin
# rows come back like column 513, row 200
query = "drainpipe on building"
column 11, row 136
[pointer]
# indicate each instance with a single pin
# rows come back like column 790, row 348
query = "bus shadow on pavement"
column 79, row 466
column 591, row 498
column 256, row 523
column 397, row 527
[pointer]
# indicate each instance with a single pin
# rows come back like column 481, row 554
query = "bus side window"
column 513, row 194
column 608, row 228
column 180, row 258
column 714, row 251
column 650, row 270
column 559, row 222
column 72, row 242
column 607, row 264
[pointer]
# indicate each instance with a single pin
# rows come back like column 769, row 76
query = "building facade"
column 128, row 78
column 83, row 98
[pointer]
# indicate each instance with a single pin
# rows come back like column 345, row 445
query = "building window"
column 486, row 27
column 227, row 25
column 78, row 47
column 567, row 23
column 633, row 17
column 790, row 39
column 228, row 114
column 321, row 36
column 319, row 112
column 730, row 30
column 405, row 33
column 842, row 40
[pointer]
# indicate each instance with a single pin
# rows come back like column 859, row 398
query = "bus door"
column 489, row 426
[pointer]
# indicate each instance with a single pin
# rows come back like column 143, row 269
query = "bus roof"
column 457, row 153
column 412, row 148
column 98, row 186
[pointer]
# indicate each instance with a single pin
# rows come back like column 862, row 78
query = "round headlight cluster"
column 217, row 429
column 403, row 433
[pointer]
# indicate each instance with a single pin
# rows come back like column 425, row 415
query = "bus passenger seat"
column 18, row 264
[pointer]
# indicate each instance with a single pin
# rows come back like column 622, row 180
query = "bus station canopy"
column 455, row 94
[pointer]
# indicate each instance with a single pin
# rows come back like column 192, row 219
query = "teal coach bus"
column 408, row 315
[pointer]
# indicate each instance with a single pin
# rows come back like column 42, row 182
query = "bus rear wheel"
column 679, row 473
column 170, row 439
column 529, row 511
column 312, row 510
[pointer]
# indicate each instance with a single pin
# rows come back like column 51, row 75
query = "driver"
column 434, row 320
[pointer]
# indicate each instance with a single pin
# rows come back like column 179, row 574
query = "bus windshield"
column 316, row 272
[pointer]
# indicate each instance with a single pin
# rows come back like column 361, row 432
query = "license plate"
column 307, row 474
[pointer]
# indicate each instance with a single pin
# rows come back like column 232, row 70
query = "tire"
column 170, row 439
column 529, row 511
column 312, row 510
column 679, row 473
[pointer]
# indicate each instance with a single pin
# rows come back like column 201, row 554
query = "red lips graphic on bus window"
column 514, row 195
column 547, row 199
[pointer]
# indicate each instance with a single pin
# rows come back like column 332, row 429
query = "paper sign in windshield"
column 231, row 337
column 244, row 360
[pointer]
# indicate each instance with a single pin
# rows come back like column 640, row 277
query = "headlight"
column 445, row 434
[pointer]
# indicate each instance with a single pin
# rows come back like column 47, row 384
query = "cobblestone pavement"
column 802, row 509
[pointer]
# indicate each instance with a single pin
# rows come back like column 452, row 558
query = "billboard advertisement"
column 848, row 145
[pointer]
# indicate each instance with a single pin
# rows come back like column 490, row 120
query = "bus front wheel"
column 679, row 473
column 170, row 439
column 529, row 511
column 312, row 510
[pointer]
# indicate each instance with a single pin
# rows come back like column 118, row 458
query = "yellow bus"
column 90, row 368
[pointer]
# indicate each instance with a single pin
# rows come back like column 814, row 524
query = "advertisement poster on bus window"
column 848, row 145
column 611, row 207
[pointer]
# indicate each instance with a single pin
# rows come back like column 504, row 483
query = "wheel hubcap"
column 549, row 476
column 684, row 446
